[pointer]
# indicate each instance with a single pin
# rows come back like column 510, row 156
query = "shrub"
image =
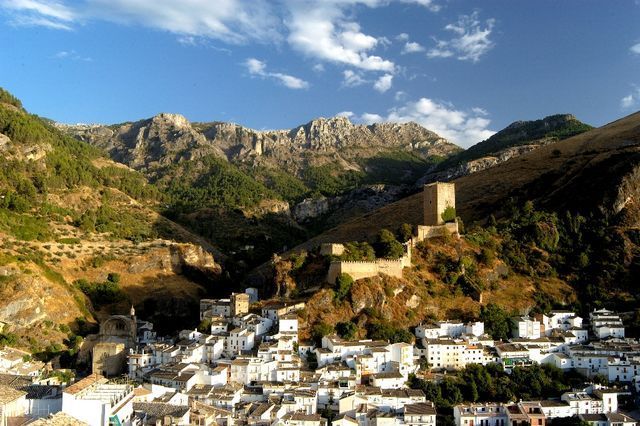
column 320, row 330
column 346, row 330
column 343, row 286
column 387, row 246
column 449, row 214
column 405, row 232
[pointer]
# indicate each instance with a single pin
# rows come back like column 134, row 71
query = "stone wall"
column 109, row 358
column 425, row 231
column 331, row 249
column 360, row 270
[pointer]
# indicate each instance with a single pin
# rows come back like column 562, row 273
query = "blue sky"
column 463, row 69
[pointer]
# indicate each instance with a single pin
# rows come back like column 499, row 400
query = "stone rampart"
column 361, row 269
column 425, row 231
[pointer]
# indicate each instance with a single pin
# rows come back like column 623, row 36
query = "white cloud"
column 322, row 30
column 233, row 21
column 470, row 42
column 400, row 96
column 464, row 128
column 319, row 30
column 258, row 68
column 412, row 47
column 635, row 48
column 49, row 14
column 369, row 118
column 402, row 37
column 461, row 127
column 255, row 66
column 347, row 114
column 71, row 55
column 352, row 78
column 383, row 83
column 632, row 99
column 318, row 68
column 627, row 101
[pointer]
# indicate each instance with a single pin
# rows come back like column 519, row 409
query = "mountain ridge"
column 517, row 138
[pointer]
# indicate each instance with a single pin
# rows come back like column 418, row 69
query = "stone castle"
column 438, row 198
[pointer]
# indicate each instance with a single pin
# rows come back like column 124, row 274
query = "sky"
column 464, row 69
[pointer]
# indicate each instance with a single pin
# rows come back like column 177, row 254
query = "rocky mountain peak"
column 171, row 120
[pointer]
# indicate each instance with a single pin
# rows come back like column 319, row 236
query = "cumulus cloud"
column 400, row 96
column 383, row 83
column 412, row 47
column 635, row 48
column 461, row 127
column 352, row 78
column 369, row 118
column 464, row 128
column 347, row 114
column 258, row 68
column 631, row 100
column 324, row 30
column 320, row 30
column 470, row 42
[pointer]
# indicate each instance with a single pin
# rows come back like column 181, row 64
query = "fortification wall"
column 331, row 249
column 425, row 231
column 360, row 270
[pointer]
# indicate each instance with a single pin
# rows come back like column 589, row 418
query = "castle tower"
column 437, row 197
column 239, row 304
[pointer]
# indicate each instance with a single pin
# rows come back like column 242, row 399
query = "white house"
column 526, row 328
column 97, row 402
column 489, row 414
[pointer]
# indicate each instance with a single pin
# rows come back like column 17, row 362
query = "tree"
column 320, row 330
column 343, row 286
column 358, row 251
column 346, row 329
column 388, row 246
column 449, row 214
column 497, row 322
column 405, row 232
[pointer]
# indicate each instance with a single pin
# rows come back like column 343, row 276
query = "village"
column 249, row 366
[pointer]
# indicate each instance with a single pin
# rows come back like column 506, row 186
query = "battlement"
column 358, row 269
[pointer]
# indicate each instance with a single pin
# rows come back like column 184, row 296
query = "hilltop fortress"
column 439, row 203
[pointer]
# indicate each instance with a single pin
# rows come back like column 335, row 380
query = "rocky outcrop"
column 148, row 144
column 22, row 152
column 482, row 163
column 357, row 201
column 169, row 138
column 29, row 298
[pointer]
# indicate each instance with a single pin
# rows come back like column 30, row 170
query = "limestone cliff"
column 169, row 138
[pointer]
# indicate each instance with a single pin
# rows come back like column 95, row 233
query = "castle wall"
column 360, row 270
column 437, row 197
column 331, row 249
column 425, row 231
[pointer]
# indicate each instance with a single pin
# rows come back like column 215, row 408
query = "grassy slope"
column 553, row 128
column 66, row 212
column 564, row 180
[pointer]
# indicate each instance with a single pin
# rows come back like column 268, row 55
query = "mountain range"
column 101, row 214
